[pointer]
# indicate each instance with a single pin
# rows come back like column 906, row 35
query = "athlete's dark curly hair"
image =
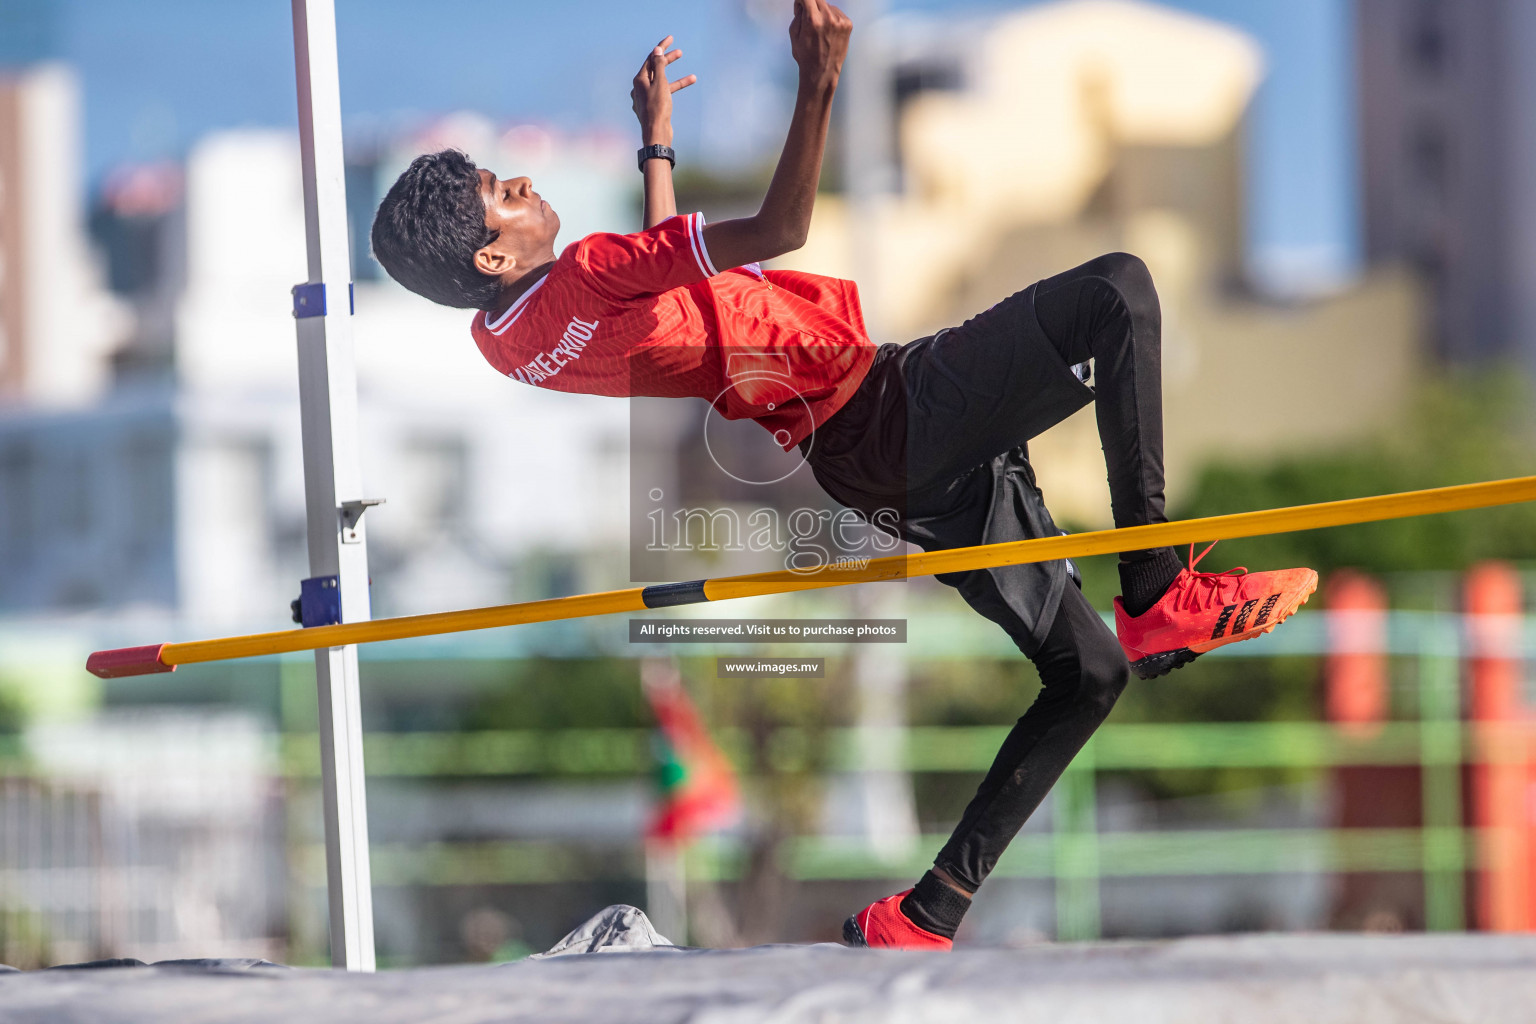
column 429, row 227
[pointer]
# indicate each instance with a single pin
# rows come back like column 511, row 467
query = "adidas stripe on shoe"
column 1201, row 611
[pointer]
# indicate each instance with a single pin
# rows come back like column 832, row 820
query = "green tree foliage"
column 12, row 716
column 564, row 693
column 1463, row 428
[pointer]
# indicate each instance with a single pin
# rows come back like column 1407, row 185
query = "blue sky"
column 159, row 73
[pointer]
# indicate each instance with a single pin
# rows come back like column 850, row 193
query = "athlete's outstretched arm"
column 652, row 100
column 819, row 40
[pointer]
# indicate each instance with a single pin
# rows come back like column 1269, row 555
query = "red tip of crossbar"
column 128, row 661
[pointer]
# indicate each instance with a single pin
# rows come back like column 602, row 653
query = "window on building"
column 363, row 199
column 138, row 225
column 434, row 474
column 72, row 519
column 1429, row 160
column 911, row 79
column 146, row 462
column 17, row 530
column 1428, row 42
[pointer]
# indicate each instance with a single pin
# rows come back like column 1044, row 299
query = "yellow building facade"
column 1092, row 126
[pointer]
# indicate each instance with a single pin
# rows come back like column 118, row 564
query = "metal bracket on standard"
column 309, row 300
column 319, row 602
column 351, row 514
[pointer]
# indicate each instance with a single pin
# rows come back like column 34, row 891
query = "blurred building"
column 151, row 484
column 56, row 319
column 1032, row 142
column 138, row 223
column 1448, row 144
column 180, row 492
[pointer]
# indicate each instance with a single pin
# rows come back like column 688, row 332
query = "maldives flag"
column 698, row 784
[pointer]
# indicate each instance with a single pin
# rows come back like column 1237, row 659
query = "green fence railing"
column 1072, row 853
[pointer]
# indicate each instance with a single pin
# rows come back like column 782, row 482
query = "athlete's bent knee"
column 1131, row 278
column 1103, row 674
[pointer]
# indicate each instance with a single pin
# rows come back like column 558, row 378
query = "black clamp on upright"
column 319, row 602
column 309, row 300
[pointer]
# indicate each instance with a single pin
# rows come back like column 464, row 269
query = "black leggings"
column 1107, row 311
column 1082, row 672
column 942, row 425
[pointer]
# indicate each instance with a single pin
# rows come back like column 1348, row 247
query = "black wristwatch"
column 657, row 152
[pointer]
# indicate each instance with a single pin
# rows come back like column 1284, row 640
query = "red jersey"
column 649, row 315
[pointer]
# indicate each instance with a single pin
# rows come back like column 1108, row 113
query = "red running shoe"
column 883, row 925
column 1204, row 610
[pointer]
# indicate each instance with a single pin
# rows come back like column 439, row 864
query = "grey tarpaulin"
column 1316, row 979
column 616, row 929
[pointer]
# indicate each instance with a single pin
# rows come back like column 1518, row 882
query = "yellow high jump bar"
column 165, row 657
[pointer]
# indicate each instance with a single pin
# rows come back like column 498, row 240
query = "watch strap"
column 656, row 152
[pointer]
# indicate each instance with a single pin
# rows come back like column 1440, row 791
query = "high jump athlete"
column 936, row 428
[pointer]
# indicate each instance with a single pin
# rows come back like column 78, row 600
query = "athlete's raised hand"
column 652, row 94
column 818, row 38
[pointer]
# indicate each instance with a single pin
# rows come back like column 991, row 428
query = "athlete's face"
column 524, row 223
